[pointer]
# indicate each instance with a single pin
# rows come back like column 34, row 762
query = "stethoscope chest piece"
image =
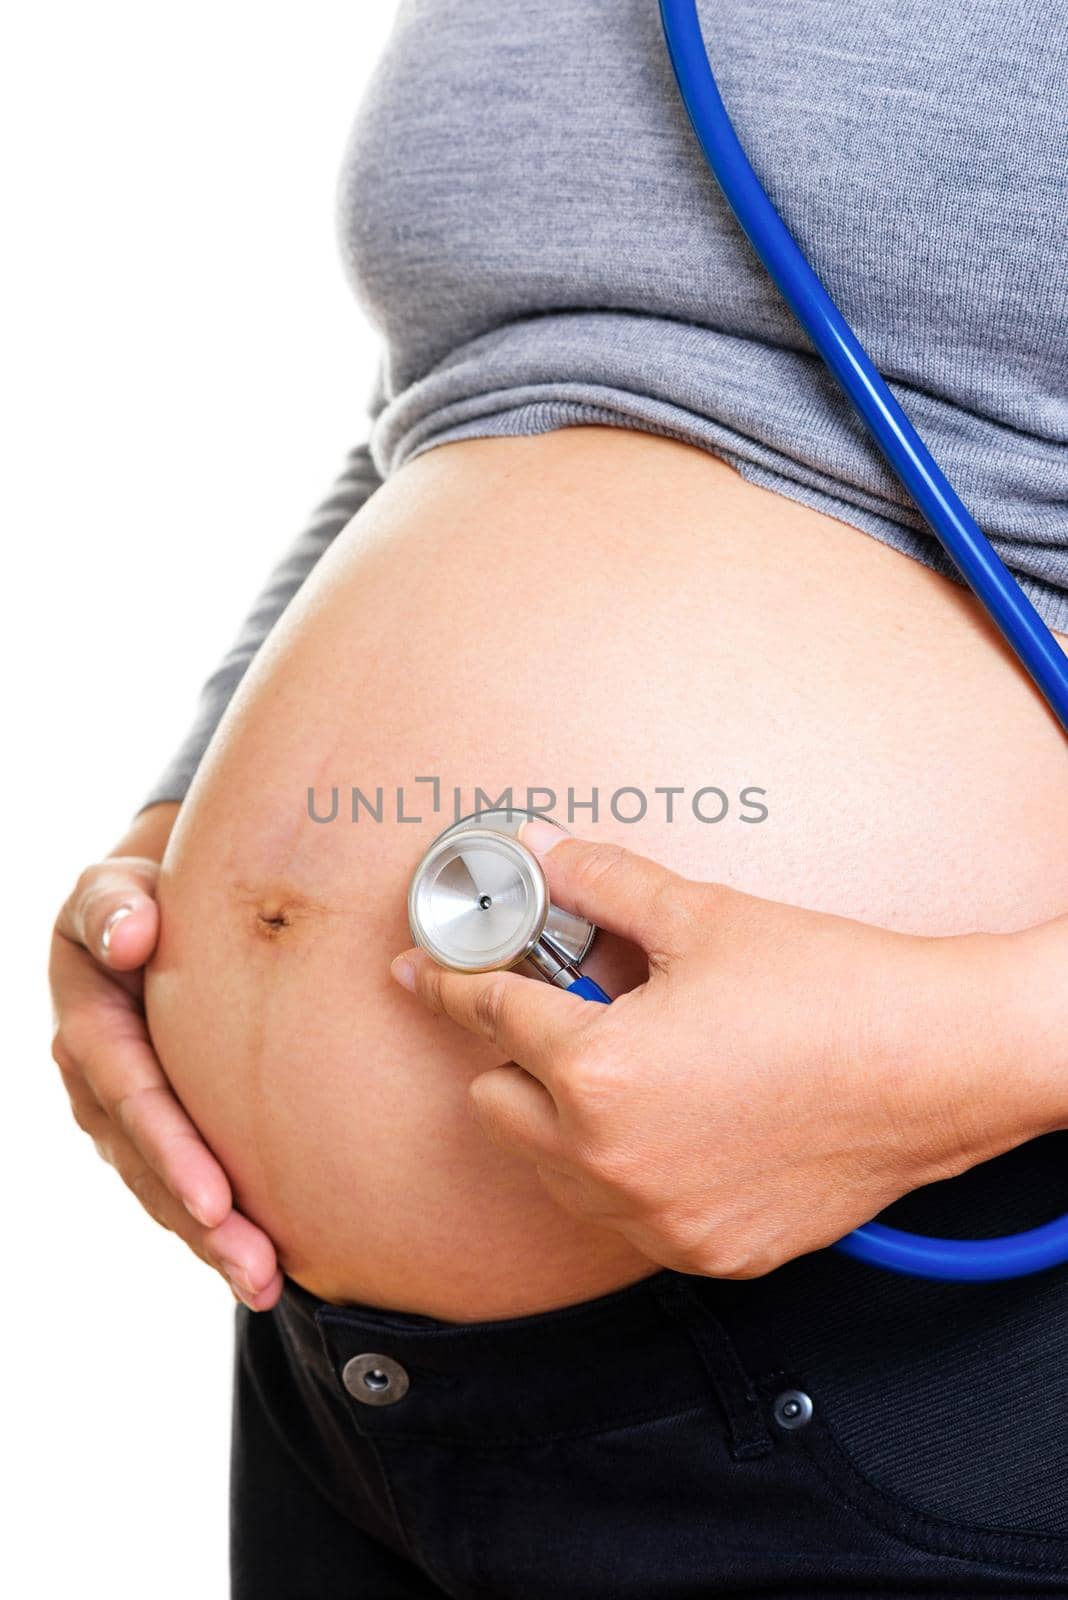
column 478, row 900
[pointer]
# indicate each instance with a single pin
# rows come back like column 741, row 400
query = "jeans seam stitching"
column 899, row 1509
column 747, row 1432
column 502, row 1441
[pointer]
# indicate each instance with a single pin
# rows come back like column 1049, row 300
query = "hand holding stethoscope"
column 723, row 1115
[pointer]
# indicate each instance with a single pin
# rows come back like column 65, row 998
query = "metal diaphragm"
column 478, row 900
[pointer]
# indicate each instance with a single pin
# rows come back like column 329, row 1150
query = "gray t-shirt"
column 527, row 218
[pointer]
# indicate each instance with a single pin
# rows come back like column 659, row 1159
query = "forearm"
column 147, row 835
column 352, row 489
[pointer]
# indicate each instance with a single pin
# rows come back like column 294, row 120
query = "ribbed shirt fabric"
column 527, row 218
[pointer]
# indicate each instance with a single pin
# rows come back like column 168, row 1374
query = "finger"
column 112, row 911
column 249, row 1260
column 240, row 1251
column 532, row 1023
column 82, row 986
column 121, row 1071
column 516, row 1112
column 611, row 887
column 266, row 1298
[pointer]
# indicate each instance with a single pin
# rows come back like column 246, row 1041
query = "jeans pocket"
column 908, row 1516
column 938, row 1413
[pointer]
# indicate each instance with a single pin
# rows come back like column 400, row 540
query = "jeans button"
column 375, row 1380
column 792, row 1409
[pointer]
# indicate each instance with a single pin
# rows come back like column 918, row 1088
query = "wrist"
column 983, row 1063
column 1034, row 1023
column 1003, row 1029
column 149, row 832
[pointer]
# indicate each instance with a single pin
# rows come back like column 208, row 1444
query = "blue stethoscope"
column 478, row 899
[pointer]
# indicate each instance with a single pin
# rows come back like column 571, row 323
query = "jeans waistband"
column 652, row 1349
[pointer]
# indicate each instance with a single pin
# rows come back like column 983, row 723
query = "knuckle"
column 127, row 1109
column 84, row 1108
column 88, row 892
column 84, row 1039
column 589, row 1070
column 756, row 1264
column 489, row 1003
column 86, row 881
column 61, row 1053
column 428, row 985
column 675, row 903
column 480, row 1096
column 599, row 866
column 721, row 1261
column 102, row 1146
column 695, row 1244
column 85, row 1120
column 616, row 1168
column 149, row 1192
column 679, row 911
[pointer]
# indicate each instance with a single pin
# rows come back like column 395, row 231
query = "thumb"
column 113, row 913
column 613, row 888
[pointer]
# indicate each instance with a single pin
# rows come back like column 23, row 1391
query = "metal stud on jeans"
column 375, row 1380
column 792, row 1409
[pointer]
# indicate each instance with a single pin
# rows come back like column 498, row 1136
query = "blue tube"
column 1014, row 1255
column 956, row 1260
column 586, row 989
column 971, row 552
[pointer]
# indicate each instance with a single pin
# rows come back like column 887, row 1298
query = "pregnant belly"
column 754, row 692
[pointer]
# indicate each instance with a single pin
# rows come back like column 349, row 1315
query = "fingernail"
column 239, row 1294
column 402, row 970
column 238, row 1279
column 540, row 836
column 111, row 923
column 198, row 1212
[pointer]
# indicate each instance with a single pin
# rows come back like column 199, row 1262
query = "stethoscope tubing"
column 955, row 1260
column 586, row 989
column 978, row 562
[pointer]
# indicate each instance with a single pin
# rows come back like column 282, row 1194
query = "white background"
column 182, row 372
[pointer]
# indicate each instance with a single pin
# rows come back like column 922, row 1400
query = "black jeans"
column 657, row 1442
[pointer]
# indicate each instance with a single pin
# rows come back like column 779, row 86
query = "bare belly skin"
column 589, row 609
